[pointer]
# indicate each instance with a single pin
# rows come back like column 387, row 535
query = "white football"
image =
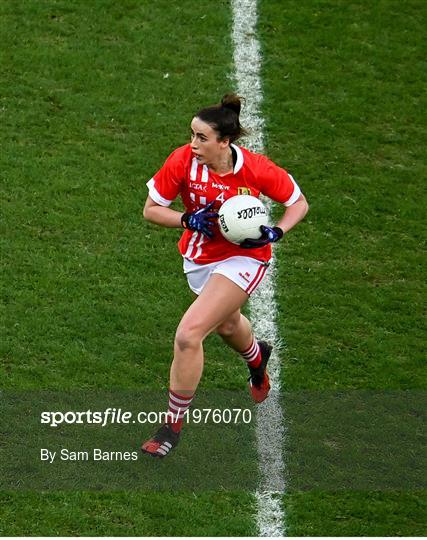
column 240, row 217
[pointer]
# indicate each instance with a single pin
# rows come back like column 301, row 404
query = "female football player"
column 205, row 173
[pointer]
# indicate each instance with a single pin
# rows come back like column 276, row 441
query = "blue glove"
column 269, row 234
column 200, row 220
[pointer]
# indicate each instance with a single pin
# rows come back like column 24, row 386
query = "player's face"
column 205, row 144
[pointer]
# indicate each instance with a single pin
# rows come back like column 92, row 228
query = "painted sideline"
column 270, row 430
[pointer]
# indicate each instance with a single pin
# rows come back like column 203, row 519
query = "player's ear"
column 224, row 142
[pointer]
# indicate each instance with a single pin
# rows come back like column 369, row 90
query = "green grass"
column 90, row 117
column 93, row 97
column 343, row 116
column 343, row 94
column 356, row 513
column 125, row 514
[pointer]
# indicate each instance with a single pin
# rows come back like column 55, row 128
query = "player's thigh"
column 220, row 299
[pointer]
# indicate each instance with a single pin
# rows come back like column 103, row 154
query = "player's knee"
column 228, row 327
column 187, row 337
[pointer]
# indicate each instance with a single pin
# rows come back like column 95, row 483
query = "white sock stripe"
column 251, row 357
column 175, row 410
column 251, row 348
column 252, row 354
column 178, row 407
column 249, row 360
column 180, row 400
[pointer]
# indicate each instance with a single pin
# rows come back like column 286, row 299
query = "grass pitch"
column 94, row 95
column 343, row 93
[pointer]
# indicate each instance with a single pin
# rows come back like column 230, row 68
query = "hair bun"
column 233, row 102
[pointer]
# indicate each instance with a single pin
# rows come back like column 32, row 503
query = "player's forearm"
column 164, row 216
column 293, row 215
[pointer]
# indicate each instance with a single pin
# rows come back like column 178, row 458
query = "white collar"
column 239, row 161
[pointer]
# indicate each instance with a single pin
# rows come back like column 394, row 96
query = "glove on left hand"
column 269, row 234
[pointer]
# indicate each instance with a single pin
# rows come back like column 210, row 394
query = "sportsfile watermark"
column 91, row 440
column 113, row 415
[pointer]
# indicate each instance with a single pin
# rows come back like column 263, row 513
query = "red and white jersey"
column 197, row 185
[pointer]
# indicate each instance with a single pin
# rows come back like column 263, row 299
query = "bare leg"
column 236, row 331
column 219, row 299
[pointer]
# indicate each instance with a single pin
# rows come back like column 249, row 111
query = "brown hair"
column 224, row 117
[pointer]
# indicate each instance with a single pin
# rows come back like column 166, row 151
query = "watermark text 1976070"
column 113, row 415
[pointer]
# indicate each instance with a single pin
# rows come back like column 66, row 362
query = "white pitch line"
column 270, row 426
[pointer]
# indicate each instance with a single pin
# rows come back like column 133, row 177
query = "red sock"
column 178, row 404
column 252, row 355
